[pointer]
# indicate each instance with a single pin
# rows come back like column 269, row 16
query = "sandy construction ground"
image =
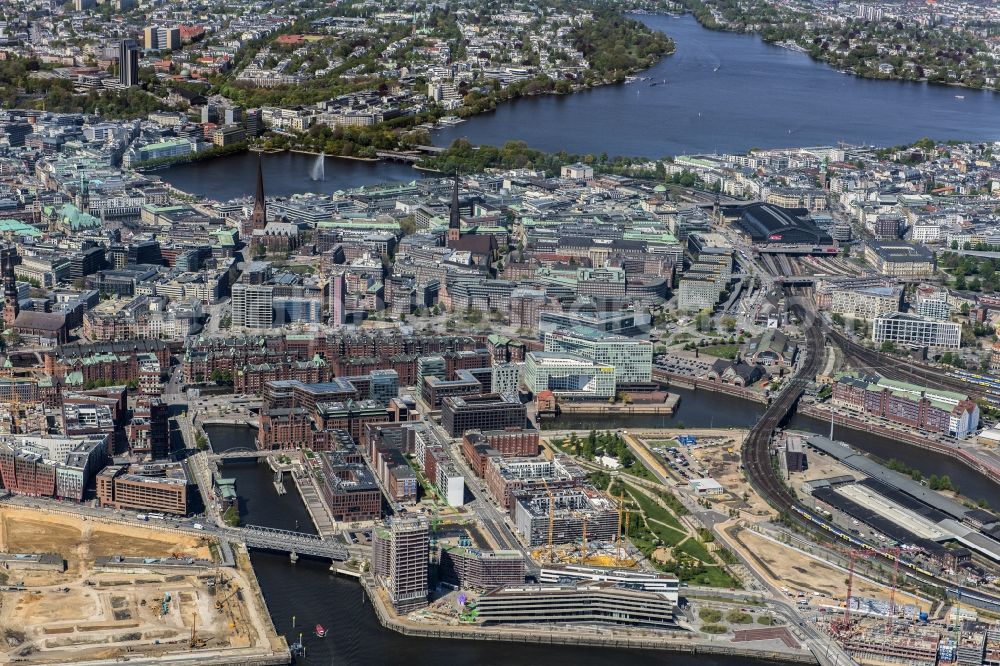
column 801, row 573
column 82, row 614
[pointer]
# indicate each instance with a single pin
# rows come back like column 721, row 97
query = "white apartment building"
column 865, row 303
column 253, row 306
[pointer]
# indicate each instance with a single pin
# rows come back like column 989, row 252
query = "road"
column 495, row 521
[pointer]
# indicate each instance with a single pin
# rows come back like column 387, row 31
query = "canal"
column 312, row 595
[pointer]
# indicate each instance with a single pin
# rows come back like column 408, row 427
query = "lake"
column 726, row 92
column 720, row 92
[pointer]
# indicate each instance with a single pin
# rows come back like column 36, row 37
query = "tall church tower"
column 10, row 305
column 455, row 217
column 258, row 218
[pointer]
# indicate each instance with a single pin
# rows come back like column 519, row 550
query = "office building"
column 400, row 558
column 638, row 579
column 152, row 487
column 482, row 412
column 252, row 305
column 383, row 385
column 866, row 302
column 349, row 489
column 907, row 329
column 901, row 260
column 927, row 408
column 151, row 38
column 620, row 322
column 505, row 378
column 617, row 604
column 128, row 63
column 631, row 358
column 568, row 376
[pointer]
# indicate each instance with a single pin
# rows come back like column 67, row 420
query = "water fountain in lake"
column 319, row 168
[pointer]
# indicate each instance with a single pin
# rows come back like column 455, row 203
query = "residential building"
column 481, row 570
column 400, row 560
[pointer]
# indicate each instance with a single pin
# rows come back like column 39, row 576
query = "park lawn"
column 654, row 511
column 712, row 577
column 721, row 351
column 697, row 550
column 667, row 535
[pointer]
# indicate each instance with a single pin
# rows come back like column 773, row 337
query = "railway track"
column 761, row 475
column 907, row 371
column 756, row 448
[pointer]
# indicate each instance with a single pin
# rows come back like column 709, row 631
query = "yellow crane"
column 552, row 517
column 621, row 557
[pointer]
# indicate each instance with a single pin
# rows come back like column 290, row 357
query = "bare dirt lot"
column 82, row 614
column 803, row 574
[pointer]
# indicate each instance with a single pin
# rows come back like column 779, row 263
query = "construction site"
column 110, row 592
column 574, row 543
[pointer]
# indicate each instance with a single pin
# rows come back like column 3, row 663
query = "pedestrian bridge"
column 296, row 543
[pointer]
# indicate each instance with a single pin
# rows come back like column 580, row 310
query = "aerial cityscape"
column 353, row 332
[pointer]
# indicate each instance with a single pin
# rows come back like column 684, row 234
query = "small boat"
column 320, row 631
column 959, row 96
column 652, row 84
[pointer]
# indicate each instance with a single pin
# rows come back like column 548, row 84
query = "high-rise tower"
column 128, row 63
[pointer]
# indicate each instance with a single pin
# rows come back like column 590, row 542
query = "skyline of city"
column 277, row 331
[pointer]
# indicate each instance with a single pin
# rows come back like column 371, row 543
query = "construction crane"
column 893, row 552
column 958, row 616
column 621, row 536
column 552, row 518
column 843, row 627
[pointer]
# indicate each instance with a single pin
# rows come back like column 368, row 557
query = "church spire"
column 259, row 217
column 455, row 217
column 11, row 307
